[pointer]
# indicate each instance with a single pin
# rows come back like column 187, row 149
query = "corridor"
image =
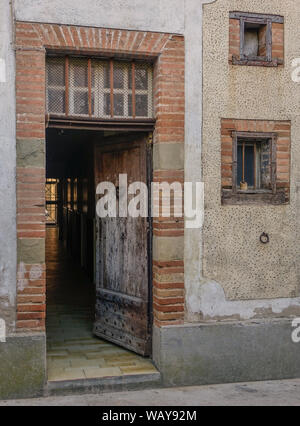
column 73, row 353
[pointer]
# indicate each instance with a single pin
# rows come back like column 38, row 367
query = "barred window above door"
column 85, row 87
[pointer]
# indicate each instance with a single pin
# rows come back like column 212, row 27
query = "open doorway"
column 98, row 275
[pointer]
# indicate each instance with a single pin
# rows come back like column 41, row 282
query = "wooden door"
column 122, row 253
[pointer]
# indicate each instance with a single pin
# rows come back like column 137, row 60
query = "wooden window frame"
column 259, row 19
column 272, row 138
column 254, row 196
column 89, row 119
column 268, row 23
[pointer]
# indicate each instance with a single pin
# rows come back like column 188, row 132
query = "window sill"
column 257, row 62
column 254, row 191
column 252, row 197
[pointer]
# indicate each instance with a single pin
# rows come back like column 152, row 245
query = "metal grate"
column 51, row 201
column 78, row 87
column 83, row 87
column 56, row 85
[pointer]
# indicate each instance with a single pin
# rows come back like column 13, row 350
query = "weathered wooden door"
column 122, row 252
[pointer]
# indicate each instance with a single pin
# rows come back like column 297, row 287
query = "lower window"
column 254, row 165
column 253, row 170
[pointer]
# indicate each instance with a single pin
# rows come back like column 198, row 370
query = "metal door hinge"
column 150, row 139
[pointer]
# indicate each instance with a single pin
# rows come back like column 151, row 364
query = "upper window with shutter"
column 256, row 39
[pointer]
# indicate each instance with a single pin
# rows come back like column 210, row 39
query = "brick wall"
column 278, row 41
column 234, row 39
column 167, row 53
column 283, row 130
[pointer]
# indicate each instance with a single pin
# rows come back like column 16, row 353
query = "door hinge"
column 150, row 139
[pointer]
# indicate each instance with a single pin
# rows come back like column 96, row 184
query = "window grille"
column 84, row 87
column 51, row 201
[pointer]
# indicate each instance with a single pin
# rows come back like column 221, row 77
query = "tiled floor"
column 73, row 352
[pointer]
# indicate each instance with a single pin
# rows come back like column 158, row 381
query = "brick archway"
column 33, row 40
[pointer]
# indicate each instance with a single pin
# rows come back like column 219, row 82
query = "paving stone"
column 62, row 347
column 55, row 374
column 57, row 353
column 83, row 342
column 94, row 355
column 88, row 363
column 91, row 372
column 109, row 354
column 72, row 374
column 84, row 348
column 59, row 363
column 122, row 357
column 119, row 363
column 55, row 338
column 138, row 370
column 144, row 363
column 77, row 355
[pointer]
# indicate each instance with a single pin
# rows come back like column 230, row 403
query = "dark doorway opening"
column 74, row 352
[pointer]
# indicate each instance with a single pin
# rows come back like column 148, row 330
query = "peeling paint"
column 2, row 71
column 22, row 282
column 210, row 303
column 35, row 274
column 2, row 331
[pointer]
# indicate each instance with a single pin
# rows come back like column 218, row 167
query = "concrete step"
column 104, row 384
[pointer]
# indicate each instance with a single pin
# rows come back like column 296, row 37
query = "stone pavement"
column 73, row 353
column 276, row 393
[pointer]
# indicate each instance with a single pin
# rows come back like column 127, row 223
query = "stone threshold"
column 104, row 384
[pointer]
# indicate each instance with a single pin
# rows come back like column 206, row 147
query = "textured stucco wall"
column 154, row 15
column 7, row 169
column 236, row 266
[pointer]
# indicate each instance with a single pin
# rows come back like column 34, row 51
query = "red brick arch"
column 167, row 52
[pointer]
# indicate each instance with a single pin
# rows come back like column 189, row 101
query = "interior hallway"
column 73, row 353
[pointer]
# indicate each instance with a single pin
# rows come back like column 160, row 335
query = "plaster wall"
column 242, row 278
column 156, row 15
column 7, row 169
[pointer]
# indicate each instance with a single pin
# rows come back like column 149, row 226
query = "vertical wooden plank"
column 112, row 88
column 234, row 162
column 67, row 65
column 269, row 40
column 273, row 143
column 242, row 38
column 149, row 156
column 255, row 166
column 133, row 90
column 243, row 165
column 90, row 86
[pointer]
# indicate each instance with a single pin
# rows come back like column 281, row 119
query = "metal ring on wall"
column 264, row 238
